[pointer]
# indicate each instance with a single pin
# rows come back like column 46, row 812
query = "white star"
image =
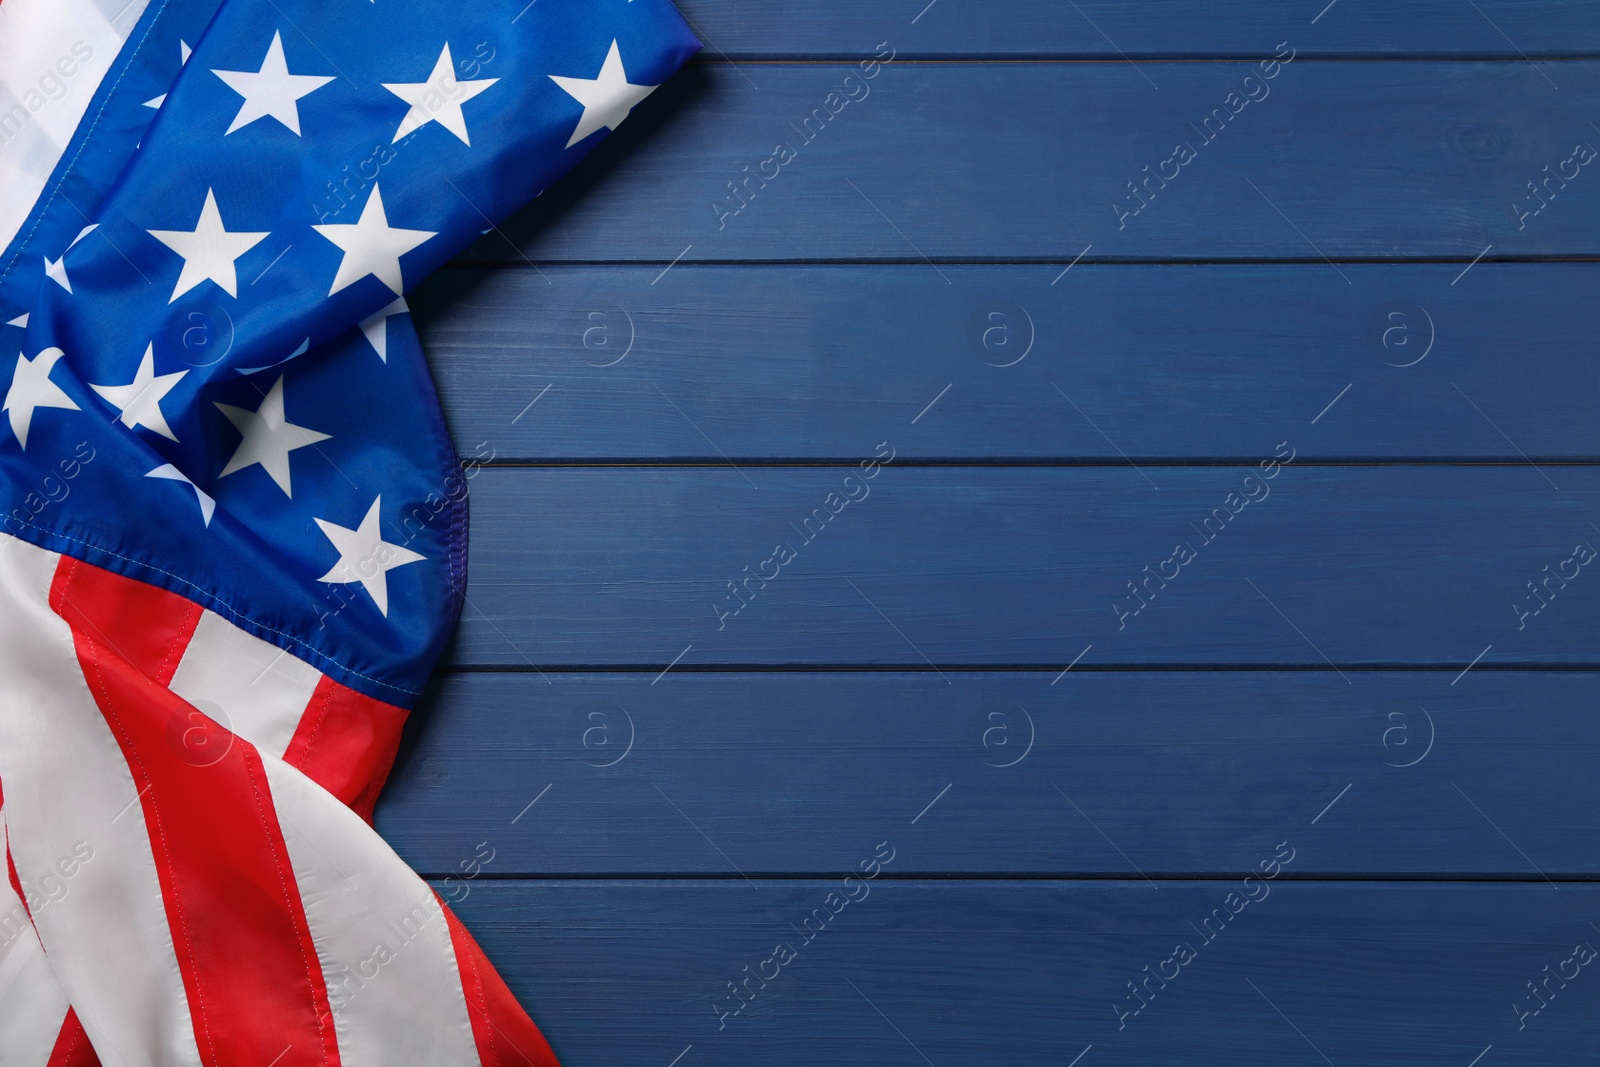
column 376, row 328
column 606, row 99
column 31, row 388
column 372, row 246
column 272, row 91
column 170, row 473
column 268, row 437
column 365, row 557
column 208, row 250
column 20, row 320
column 56, row 271
column 140, row 400
column 438, row 99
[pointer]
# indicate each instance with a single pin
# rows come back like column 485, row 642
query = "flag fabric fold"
column 234, row 527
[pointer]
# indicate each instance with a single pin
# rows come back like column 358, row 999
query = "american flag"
column 234, row 527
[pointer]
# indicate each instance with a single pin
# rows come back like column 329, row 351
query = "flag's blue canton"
column 218, row 389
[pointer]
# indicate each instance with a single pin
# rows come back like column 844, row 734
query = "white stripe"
column 260, row 690
column 69, row 792
column 379, row 932
column 53, row 56
column 32, row 1009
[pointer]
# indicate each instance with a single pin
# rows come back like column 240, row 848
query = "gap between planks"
column 1065, row 462
column 774, row 59
column 1176, row 877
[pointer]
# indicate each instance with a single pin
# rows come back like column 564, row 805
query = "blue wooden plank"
column 630, row 974
column 1161, row 362
column 1181, row 772
column 1330, row 565
column 1040, row 161
column 1155, row 772
column 1114, row 29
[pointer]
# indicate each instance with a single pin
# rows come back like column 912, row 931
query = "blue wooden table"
column 1041, row 532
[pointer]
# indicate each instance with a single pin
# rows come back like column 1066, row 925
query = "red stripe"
column 72, row 1047
column 255, row 990
column 504, row 1034
column 346, row 743
column 147, row 626
column 16, row 882
column 16, row 885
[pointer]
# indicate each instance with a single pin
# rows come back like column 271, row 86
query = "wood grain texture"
column 1006, row 566
column 1114, row 29
column 697, row 780
column 1196, row 362
column 979, row 161
column 1099, row 774
column 627, row 973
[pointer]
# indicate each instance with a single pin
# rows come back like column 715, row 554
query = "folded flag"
column 234, row 527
